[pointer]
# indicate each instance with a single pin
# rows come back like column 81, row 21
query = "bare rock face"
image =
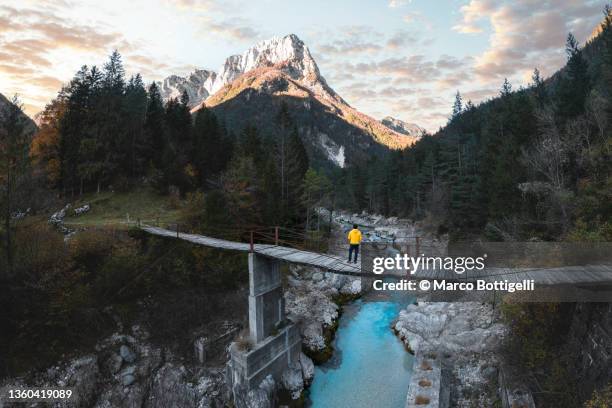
column 264, row 396
column 251, row 88
column 289, row 51
column 198, row 86
column 293, row 381
column 462, row 327
column 310, row 306
column 467, row 337
column 405, row 128
column 128, row 371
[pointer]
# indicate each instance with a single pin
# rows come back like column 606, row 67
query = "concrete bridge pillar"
column 277, row 343
column 266, row 302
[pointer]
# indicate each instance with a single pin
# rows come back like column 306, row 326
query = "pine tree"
column 606, row 38
column 284, row 122
column 575, row 86
column 296, row 167
column 539, row 87
column 79, row 105
column 136, row 109
column 155, row 135
column 114, row 73
column 243, row 192
column 506, row 88
column 457, row 106
column 110, row 119
column 212, row 150
column 14, row 149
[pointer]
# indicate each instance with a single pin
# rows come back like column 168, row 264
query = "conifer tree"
column 575, row 86
column 506, row 88
column 154, row 130
column 457, row 106
column 14, row 148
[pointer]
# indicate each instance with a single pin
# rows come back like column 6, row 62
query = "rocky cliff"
column 251, row 87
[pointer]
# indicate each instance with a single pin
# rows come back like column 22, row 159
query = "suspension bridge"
column 284, row 250
column 277, row 341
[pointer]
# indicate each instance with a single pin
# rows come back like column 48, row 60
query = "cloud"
column 412, row 16
column 47, row 82
column 446, row 61
column 31, row 40
column 472, row 13
column 402, row 38
column 234, row 29
column 398, row 3
column 414, row 68
column 201, row 5
column 525, row 33
column 344, row 47
column 350, row 41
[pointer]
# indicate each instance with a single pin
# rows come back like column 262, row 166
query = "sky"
column 403, row 58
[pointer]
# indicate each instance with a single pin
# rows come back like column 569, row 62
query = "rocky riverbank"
column 313, row 301
column 464, row 338
column 127, row 370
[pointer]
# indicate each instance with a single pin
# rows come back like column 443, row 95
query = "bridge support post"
column 277, row 342
column 266, row 302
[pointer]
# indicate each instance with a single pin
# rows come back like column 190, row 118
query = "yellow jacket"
column 354, row 237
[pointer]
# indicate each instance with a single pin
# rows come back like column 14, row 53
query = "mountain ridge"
column 405, row 128
column 29, row 126
column 283, row 68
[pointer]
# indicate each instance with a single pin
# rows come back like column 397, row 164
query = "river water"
column 370, row 366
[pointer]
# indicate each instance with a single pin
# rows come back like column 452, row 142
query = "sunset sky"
column 400, row 57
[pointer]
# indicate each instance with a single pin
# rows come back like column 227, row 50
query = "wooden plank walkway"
column 568, row 275
column 327, row 262
column 587, row 275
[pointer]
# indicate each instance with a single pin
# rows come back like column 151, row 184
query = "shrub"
column 89, row 248
column 245, row 341
column 600, row 399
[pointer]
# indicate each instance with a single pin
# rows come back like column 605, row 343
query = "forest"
column 107, row 133
column 532, row 163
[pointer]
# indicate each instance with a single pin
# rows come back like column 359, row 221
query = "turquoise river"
column 370, row 366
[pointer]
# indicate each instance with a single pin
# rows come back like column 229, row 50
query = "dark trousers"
column 353, row 248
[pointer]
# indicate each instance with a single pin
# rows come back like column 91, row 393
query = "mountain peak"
column 404, row 128
column 250, row 88
column 289, row 53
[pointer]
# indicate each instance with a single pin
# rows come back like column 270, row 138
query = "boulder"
column 263, row 396
column 292, row 380
column 307, row 368
column 126, row 354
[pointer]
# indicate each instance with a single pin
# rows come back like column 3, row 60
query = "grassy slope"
column 108, row 208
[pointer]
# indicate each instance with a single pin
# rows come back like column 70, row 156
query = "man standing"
column 354, row 238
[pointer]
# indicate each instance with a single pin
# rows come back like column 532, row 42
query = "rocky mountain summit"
column 198, row 84
column 250, row 88
column 289, row 50
column 405, row 128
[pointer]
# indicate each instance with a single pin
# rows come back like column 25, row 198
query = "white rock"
column 461, row 327
column 289, row 50
column 292, row 380
column 307, row 368
column 126, row 354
